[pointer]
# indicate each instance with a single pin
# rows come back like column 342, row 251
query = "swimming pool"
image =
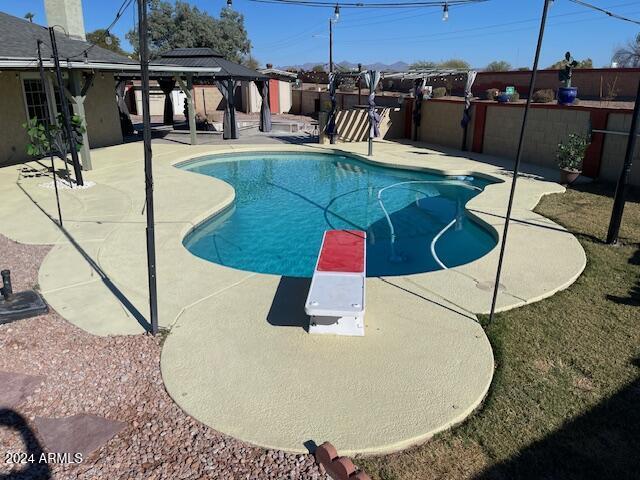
column 415, row 222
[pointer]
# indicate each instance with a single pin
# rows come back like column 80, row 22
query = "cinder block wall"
column 440, row 124
column 353, row 125
column 207, row 99
column 548, row 126
column 614, row 150
column 545, row 129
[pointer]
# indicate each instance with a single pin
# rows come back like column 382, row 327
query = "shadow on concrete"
column 604, row 443
column 12, row 420
column 130, row 307
column 287, row 308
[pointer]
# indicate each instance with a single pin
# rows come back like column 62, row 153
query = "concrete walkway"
column 237, row 357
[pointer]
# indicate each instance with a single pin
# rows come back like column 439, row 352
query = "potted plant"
column 503, row 97
column 570, row 155
column 567, row 94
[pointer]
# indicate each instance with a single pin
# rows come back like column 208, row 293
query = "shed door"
column 274, row 96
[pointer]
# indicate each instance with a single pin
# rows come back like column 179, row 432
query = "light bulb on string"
column 445, row 12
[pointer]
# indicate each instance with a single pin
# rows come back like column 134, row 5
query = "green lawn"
column 565, row 399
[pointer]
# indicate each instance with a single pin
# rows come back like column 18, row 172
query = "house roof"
column 18, row 50
column 18, row 41
column 208, row 58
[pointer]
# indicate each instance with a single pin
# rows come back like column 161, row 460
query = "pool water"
column 285, row 201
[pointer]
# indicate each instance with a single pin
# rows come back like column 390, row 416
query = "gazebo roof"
column 208, row 58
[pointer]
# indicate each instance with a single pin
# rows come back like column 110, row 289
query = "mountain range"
column 393, row 67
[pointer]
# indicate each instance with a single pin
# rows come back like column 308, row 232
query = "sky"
column 479, row 33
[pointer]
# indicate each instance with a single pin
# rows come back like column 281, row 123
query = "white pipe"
column 433, row 244
column 394, row 257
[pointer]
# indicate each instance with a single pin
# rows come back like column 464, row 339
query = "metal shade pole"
column 621, row 189
column 66, row 115
column 43, row 79
column 148, row 167
column 516, row 167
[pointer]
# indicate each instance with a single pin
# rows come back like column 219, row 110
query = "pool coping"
column 79, row 275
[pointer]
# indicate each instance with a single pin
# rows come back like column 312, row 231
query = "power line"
column 606, row 12
column 123, row 8
column 485, row 27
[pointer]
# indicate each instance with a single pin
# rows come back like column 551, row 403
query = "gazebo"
column 226, row 76
column 421, row 78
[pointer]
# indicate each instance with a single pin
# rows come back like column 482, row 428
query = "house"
column 91, row 75
column 88, row 72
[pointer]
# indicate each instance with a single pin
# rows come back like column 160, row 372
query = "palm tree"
column 628, row 56
column 29, row 16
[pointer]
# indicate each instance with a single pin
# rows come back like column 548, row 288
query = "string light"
column 336, row 12
column 379, row 5
column 445, row 12
column 107, row 38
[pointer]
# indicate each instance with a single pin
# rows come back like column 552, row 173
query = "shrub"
column 439, row 92
column 570, row 153
column 491, row 94
column 543, row 96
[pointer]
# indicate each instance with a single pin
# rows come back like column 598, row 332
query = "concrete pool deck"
column 237, row 357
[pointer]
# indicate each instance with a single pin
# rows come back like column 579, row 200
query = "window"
column 35, row 98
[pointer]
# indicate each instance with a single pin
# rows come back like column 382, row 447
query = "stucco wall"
column 103, row 119
column 13, row 138
column 614, row 150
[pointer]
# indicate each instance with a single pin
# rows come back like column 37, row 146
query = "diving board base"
column 352, row 326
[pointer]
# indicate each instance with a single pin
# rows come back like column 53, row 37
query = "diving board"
column 335, row 303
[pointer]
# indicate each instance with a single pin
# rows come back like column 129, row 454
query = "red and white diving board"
column 336, row 297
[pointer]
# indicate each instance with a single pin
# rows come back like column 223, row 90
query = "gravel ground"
column 117, row 378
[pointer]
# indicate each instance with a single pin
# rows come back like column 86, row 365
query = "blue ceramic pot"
column 567, row 95
column 503, row 98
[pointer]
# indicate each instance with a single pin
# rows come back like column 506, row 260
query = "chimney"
column 269, row 65
column 67, row 14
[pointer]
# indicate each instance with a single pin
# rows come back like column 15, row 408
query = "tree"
column 318, row 68
column 498, row 66
column 180, row 25
column 29, row 16
column 559, row 65
column 423, row 65
column 455, row 63
column 98, row 37
column 629, row 55
column 251, row 62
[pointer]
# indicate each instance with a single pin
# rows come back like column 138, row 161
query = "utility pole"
column 359, row 85
column 148, row 166
column 621, row 189
column 331, row 45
